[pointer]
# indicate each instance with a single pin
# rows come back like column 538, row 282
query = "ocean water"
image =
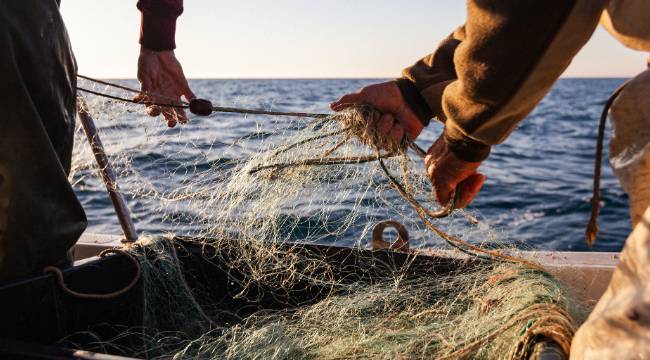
column 538, row 181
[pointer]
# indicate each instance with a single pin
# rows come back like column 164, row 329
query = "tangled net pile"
column 259, row 205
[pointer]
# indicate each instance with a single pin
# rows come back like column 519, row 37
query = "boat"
column 37, row 312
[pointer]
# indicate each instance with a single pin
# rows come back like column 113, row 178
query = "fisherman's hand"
column 446, row 172
column 160, row 72
column 397, row 120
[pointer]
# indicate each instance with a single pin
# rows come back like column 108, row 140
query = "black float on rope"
column 201, row 107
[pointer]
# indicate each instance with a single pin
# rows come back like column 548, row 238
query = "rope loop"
column 61, row 281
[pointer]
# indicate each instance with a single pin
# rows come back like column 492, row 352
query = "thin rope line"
column 130, row 100
column 136, row 91
column 354, row 160
column 221, row 109
column 458, row 243
column 592, row 227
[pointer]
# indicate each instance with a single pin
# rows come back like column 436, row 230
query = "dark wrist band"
column 415, row 100
column 467, row 149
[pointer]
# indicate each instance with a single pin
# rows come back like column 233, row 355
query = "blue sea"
column 539, row 181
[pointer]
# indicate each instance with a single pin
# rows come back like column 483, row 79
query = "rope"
column 113, row 97
column 61, row 281
column 592, row 227
column 458, row 243
column 222, row 109
column 356, row 160
column 126, row 88
column 185, row 105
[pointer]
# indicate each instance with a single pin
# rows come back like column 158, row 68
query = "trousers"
column 40, row 216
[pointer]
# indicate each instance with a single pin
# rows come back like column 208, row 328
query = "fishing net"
column 283, row 213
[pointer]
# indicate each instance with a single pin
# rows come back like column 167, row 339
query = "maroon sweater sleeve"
column 158, row 25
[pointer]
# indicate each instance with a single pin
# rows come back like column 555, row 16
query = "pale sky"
column 297, row 38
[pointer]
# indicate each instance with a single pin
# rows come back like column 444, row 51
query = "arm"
column 509, row 56
column 158, row 69
column 506, row 58
column 423, row 83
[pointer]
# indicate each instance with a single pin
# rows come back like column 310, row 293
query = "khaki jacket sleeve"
column 424, row 82
column 506, row 58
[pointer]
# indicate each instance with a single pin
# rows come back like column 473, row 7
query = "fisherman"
column 40, row 216
column 485, row 78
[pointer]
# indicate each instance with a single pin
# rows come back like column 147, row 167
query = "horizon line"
column 337, row 78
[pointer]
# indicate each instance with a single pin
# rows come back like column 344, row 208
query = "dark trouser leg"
column 40, row 216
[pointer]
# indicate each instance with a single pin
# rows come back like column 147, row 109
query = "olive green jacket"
column 491, row 72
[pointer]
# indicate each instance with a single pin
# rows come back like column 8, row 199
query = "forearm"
column 424, row 82
column 158, row 23
column 507, row 59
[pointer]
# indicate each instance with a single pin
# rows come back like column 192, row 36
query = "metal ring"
column 400, row 244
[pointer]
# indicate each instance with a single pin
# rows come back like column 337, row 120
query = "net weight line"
column 201, row 104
